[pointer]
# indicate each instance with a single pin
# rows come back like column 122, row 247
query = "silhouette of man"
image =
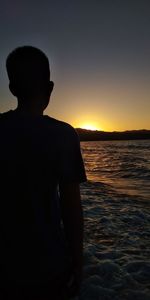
column 41, row 223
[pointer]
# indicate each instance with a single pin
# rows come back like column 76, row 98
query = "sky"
column 99, row 53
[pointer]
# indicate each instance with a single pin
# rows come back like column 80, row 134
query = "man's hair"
column 28, row 69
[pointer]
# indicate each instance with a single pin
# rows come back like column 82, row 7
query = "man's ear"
column 12, row 89
column 51, row 86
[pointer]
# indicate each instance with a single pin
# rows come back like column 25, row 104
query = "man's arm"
column 72, row 216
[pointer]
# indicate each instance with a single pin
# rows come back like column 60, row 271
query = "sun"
column 89, row 126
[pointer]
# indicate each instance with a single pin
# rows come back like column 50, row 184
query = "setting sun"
column 89, row 126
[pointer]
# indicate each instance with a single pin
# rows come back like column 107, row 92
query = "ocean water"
column 116, row 203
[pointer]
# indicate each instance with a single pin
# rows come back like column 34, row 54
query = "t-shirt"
column 36, row 155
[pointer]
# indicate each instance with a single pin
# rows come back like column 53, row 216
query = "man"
column 40, row 209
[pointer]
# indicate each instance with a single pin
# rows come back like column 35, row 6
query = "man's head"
column 29, row 75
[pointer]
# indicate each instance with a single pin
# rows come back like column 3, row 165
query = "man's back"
column 36, row 155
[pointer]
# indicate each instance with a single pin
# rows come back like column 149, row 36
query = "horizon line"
column 114, row 131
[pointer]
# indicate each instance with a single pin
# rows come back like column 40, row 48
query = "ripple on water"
column 116, row 245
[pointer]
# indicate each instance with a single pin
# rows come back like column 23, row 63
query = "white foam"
column 116, row 246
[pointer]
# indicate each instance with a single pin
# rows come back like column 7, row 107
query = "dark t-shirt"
column 36, row 155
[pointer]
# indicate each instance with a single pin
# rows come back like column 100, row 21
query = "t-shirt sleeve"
column 71, row 167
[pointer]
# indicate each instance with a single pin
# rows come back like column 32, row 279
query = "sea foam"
column 116, row 245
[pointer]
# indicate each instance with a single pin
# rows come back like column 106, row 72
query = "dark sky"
column 99, row 54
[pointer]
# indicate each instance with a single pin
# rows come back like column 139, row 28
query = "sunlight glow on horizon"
column 89, row 126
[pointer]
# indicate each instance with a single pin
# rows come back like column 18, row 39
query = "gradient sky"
column 99, row 53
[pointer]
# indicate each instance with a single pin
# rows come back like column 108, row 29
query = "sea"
column 116, row 205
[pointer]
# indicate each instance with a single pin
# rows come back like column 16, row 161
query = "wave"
column 116, row 244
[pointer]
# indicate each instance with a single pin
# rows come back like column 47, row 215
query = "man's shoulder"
column 5, row 117
column 6, row 114
column 61, row 126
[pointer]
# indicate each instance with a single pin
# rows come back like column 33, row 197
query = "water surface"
column 117, row 220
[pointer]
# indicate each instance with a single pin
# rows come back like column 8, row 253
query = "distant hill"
column 90, row 135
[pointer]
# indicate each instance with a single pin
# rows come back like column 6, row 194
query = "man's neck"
column 29, row 111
